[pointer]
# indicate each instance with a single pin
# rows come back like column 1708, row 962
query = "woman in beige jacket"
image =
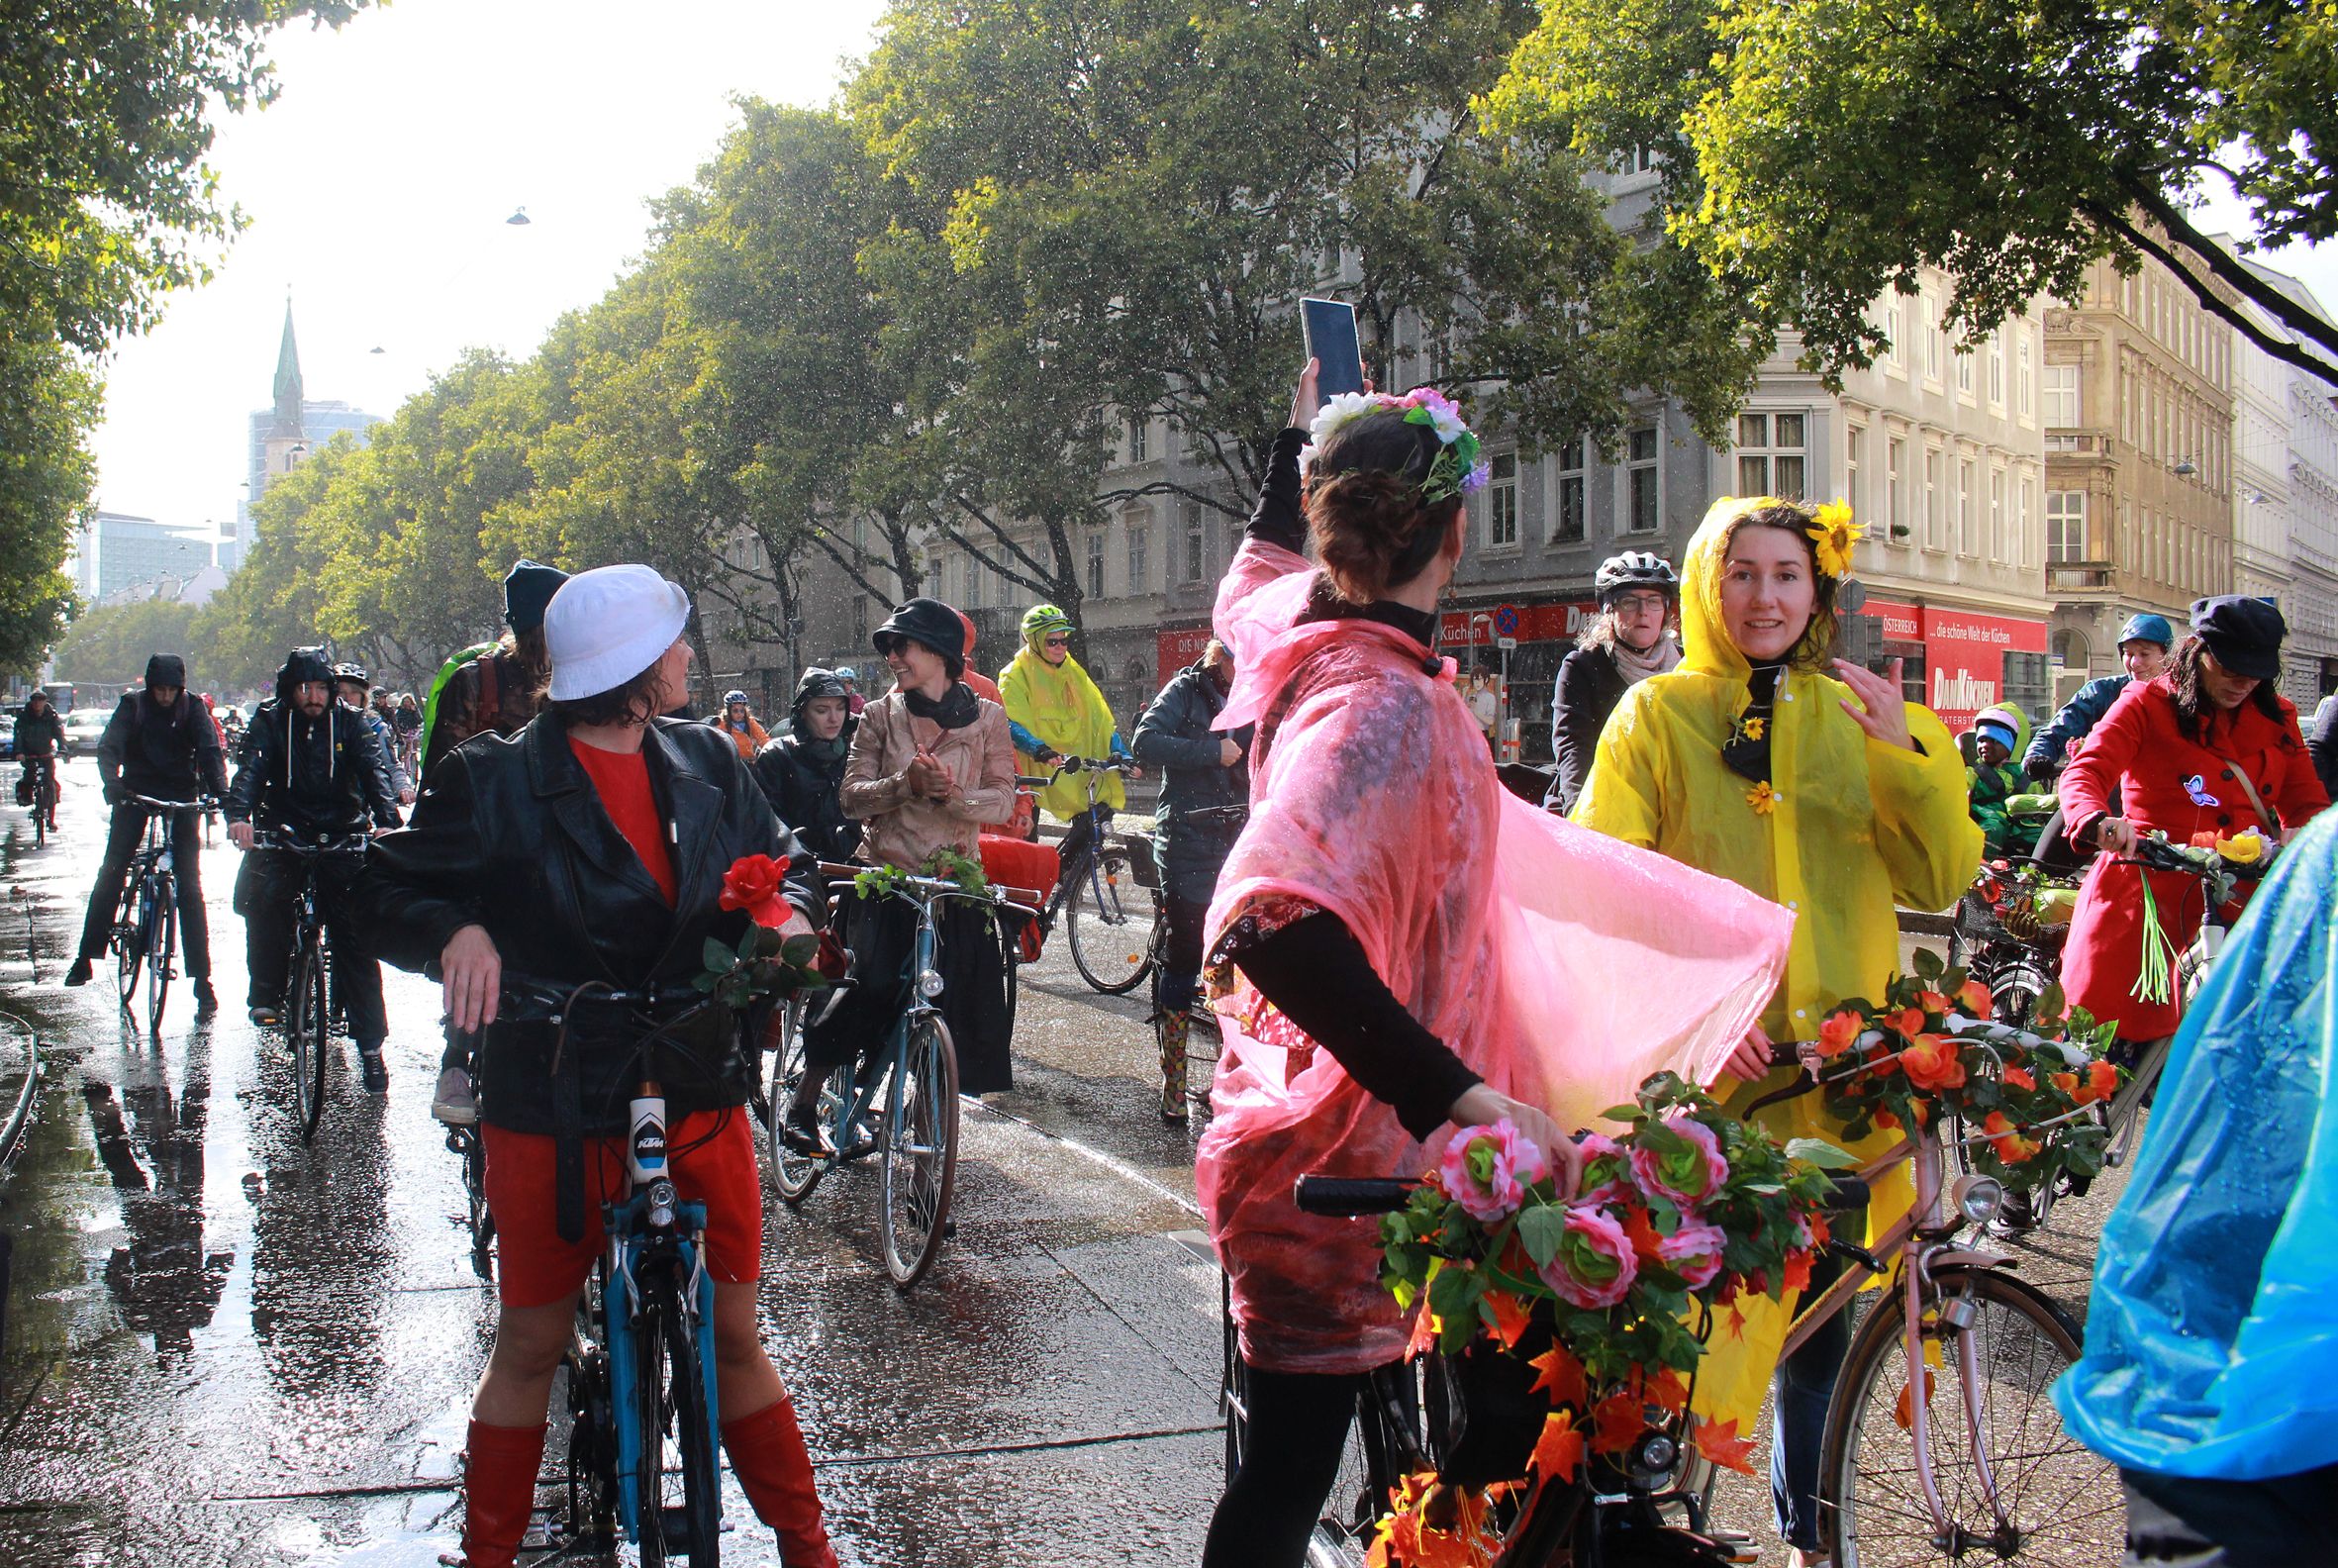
column 931, row 765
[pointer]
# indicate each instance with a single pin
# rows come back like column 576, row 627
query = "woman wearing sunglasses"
column 1055, row 712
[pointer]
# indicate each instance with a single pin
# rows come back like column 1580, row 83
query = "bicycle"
column 642, row 1395
column 1471, row 1419
column 308, row 997
column 42, row 772
column 145, row 921
column 2008, row 930
column 917, row 1072
column 1896, row 1484
column 1099, row 893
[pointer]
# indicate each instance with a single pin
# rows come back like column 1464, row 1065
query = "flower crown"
column 1457, row 468
column 1832, row 534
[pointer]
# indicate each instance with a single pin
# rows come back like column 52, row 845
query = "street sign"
column 1505, row 621
column 1506, row 643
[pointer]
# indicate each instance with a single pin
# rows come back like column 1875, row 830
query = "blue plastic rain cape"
column 2212, row 1337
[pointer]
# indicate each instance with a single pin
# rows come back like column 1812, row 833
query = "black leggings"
column 1297, row 1426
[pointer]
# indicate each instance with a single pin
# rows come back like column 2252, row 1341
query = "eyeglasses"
column 1059, row 642
column 1637, row 604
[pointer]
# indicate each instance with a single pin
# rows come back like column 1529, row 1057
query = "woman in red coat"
column 2176, row 750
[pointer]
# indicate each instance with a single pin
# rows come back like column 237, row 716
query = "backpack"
column 489, row 696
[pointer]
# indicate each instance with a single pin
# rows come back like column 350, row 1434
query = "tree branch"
column 2216, row 305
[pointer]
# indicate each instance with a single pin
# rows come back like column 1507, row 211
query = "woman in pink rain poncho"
column 1397, row 944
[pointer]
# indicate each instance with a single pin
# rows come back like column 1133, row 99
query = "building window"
column 1139, row 558
column 2024, row 508
column 1096, row 564
column 1966, row 355
column 2025, row 377
column 1854, row 437
column 1895, row 333
column 1567, row 520
column 2028, row 681
column 1197, row 547
column 1935, row 342
column 1139, row 439
column 1769, row 455
column 1501, row 502
column 1996, row 517
column 860, row 620
column 1896, row 489
column 1968, row 507
column 1640, row 478
column 1935, row 502
column 2061, row 396
column 1995, row 366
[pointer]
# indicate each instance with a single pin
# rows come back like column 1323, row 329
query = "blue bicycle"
column 640, row 1368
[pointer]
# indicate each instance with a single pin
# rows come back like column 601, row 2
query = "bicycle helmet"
column 816, row 682
column 1634, row 570
column 2147, row 628
column 351, row 672
column 734, row 696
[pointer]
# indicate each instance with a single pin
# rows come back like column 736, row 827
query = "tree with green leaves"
column 111, row 643
column 48, row 401
column 1816, row 152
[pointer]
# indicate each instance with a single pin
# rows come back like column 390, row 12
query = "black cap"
column 816, row 682
column 166, row 669
column 2244, row 634
column 526, row 588
column 932, row 622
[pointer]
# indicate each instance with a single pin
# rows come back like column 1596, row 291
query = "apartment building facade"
column 2284, row 497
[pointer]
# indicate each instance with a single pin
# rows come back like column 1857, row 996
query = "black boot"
column 80, row 973
column 376, row 1072
column 801, row 1132
column 206, row 999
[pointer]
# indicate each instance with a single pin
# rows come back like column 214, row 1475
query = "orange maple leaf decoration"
column 1665, row 1391
column 1561, row 1378
column 1619, row 1420
column 1424, row 1334
column 1797, row 1274
column 1509, row 1317
column 1558, row 1452
column 1641, row 1232
column 1904, row 1411
column 1719, row 1442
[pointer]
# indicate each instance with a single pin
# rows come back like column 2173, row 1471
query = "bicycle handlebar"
column 2159, row 855
column 335, row 843
column 1351, row 1196
column 197, row 803
column 1023, row 900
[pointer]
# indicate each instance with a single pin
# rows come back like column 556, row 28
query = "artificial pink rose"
column 1594, row 1265
column 1615, row 1183
column 1694, row 1252
column 1687, row 1178
column 1487, row 1169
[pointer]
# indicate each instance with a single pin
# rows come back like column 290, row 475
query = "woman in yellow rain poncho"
column 1826, row 793
column 1054, row 711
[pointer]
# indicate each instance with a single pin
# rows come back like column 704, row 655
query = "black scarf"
column 1419, row 624
column 1748, row 755
column 958, row 709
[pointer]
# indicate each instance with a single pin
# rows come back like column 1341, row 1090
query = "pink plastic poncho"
column 1562, row 966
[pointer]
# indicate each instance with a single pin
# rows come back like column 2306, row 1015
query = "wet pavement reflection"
column 226, row 1346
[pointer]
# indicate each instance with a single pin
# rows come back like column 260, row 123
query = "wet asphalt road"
column 224, row 1347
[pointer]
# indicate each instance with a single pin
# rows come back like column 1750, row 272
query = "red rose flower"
column 757, row 884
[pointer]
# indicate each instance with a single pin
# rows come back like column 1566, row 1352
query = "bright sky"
column 379, row 183
column 377, row 188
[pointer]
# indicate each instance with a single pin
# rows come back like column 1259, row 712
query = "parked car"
column 83, row 726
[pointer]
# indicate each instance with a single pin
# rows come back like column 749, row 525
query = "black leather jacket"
column 324, row 787
column 1588, row 689
column 510, row 834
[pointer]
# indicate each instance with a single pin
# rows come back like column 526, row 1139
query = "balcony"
column 2066, row 578
column 2078, row 444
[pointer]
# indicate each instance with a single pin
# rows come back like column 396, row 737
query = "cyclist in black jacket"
column 159, row 743
column 39, row 737
column 315, row 769
column 802, row 772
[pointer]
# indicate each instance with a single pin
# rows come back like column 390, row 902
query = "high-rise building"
column 131, row 550
column 282, row 435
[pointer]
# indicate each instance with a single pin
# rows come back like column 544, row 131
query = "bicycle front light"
column 661, row 1204
column 1978, row 1197
column 928, row 983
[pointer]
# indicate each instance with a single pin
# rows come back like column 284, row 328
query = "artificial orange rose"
column 2019, row 1078
column 1934, row 1002
column 1933, row 1063
column 2067, row 1082
column 1838, row 1033
column 1908, row 1020
column 1886, row 1121
column 2102, row 1081
column 2007, row 1140
column 1976, row 998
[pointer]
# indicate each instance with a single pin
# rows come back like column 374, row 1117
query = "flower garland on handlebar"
column 944, row 864
column 1930, row 1051
column 1680, row 1210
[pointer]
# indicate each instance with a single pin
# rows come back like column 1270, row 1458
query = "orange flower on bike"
column 1933, row 1063
column 2006, row 1139
column 1976, row 998
column 1837, row 1034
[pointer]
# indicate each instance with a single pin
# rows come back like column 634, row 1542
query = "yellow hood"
column 1705, row 643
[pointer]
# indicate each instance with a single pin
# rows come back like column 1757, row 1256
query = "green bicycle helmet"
column 1039, row 620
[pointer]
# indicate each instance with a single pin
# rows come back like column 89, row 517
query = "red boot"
column 767, row 1456
column 499, row 1491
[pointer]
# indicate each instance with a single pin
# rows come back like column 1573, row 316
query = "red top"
column 622, row 779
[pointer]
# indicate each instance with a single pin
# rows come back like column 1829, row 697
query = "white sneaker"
column 453, row 1103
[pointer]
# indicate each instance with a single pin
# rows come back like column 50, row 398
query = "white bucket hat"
column 607, row 626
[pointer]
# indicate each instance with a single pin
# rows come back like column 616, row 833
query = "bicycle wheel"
column 2014, row 993
column 681, row 1513
column 130, row 925
column 474, row 1187
column 2010, row 1480
column 592, row 1427
column 1111, row 924
column 792, row 1175
column 304, row 1022
column 161, row 945
column 44, row 802
column 920, row 1151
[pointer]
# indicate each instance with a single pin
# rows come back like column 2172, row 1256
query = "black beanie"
column 932, row 622
column 166, row 669
column 526, row 588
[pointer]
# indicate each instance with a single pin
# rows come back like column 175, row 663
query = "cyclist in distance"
column 158, row 743
column 2144, row 643
column 803, row 771
column 1991, row 780
column 738, row 721
column 405, row 718
column 1054, row 711
column 1825, row 792
column 496, row 687
column 591, row 847
column 1628, row 641
column 2205, row 748
column 1199, row 768
column 349, row 686
column 931, row 765
column 311, row 769
column 40, row 736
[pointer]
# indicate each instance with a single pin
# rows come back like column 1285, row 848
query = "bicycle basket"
column 1975, row 921
column 1142, row 864
column 1492, row 1414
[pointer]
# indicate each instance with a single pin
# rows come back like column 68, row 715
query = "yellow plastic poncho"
column 1857, row 826
column 1062, row 707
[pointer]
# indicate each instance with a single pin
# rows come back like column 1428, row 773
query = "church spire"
column 288, row 421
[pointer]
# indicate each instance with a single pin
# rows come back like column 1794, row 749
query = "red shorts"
column 534, row 1267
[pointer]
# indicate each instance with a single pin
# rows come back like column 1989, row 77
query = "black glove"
column 2040, row 768
column 1047, row 755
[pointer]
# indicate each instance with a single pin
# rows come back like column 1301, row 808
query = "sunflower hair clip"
column 1832, row 535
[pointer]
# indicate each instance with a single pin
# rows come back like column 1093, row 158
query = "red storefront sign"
column 1964, row 654
column 1177, row 646
column 1174, row 647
